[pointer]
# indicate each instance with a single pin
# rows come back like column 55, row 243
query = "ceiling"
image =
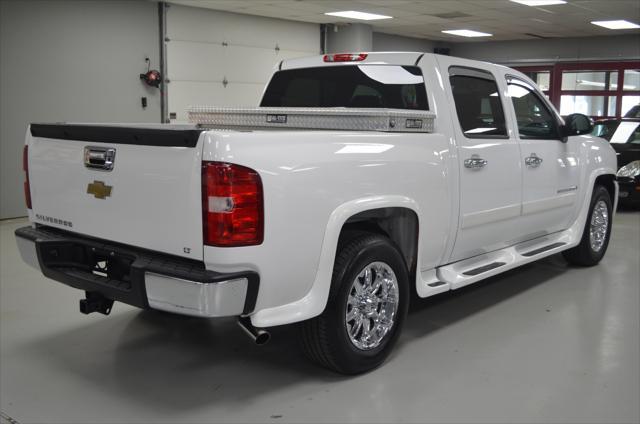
column 427, row 18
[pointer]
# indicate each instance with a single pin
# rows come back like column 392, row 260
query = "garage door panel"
column 192, row 23
column 268, row 33
column 250, row 64
column 195, row 61
column 184, row 94
column 195, row 24
column 243, row 95
column 206, row 47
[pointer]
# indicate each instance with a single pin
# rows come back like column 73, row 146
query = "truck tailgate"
column 151, row 198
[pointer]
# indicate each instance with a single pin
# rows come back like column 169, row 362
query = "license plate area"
column 80, row 259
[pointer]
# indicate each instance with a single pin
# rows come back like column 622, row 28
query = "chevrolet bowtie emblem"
column 99, row 189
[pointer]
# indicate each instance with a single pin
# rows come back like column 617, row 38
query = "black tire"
column 584, row 254
column 324, row 338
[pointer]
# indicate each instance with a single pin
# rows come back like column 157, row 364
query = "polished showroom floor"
column 544, row 343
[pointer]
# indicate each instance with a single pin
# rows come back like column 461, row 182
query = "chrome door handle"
column 533, row 161
column 475, row 162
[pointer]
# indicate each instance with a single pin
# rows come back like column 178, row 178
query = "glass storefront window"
column 613, row 101
column 542, row 78
column 596, row 89
column 589, row 80
column 628, row 102
column 631, row 79
column 587, row 105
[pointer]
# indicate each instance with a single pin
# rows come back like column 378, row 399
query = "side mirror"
column 576, row 124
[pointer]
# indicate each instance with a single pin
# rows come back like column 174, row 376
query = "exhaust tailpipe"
column 258, row 335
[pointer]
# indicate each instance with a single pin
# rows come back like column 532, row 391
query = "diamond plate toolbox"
column 355, row 119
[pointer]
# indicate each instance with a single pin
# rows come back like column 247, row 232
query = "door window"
column 478, row 104
column 534, row 118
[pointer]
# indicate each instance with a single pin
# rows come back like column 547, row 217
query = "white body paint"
column 314, row 181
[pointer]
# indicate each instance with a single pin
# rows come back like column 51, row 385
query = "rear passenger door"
column 490, row 167
column 550, row 172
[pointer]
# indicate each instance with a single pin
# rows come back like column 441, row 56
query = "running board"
column 459, row 274
column 484, row 268
column 543, row 249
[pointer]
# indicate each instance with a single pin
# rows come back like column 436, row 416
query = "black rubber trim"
column 118, row 135
column 69, row 258
column 543, row 249
column 484, row 268
column 418, row 59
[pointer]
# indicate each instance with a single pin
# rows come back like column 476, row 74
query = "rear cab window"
column 478, row 104
column 349, row 86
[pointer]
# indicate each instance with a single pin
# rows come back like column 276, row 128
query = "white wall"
column 620, row 47
column 70, row 61
column 349, row 38
column 389, row 42
column 206, row 47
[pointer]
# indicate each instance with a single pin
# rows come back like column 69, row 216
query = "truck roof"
column 370, row 58
column 387, row 58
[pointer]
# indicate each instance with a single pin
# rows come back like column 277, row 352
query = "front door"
column 490, row 174
column 550, row 172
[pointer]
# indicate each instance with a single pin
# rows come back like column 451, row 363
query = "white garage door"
column 224, row 59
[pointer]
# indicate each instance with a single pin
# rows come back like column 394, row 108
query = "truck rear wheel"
column 597, row 230
column 367, row 306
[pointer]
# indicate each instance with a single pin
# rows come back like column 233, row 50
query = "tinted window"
column 534, row 118
column 365, row 86
column 478, row 105
column 605, row 129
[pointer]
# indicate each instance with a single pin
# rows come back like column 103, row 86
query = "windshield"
column 360, row 86
column 605, row 129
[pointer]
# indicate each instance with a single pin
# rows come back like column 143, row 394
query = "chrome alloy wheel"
column 372, row 305
column 599, row 226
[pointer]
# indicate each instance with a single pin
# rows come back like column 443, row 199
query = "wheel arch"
column 350, row 213
column 608, row 181
column 399, row 224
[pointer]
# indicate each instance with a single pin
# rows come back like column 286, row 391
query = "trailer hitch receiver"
column 95, row 302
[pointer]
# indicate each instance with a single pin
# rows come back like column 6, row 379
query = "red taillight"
column 345, row 57
column 232, row 205
column 25, row 167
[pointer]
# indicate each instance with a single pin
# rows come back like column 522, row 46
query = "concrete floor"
column 544, row 343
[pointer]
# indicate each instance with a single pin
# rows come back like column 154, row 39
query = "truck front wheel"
column 597, row 230
column 367, row 306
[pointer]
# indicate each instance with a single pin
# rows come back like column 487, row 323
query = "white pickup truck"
column 360, row 178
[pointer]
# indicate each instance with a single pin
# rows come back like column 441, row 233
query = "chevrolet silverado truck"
column 360, row 180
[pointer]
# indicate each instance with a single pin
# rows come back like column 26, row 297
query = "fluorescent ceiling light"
column 467, row 33
column 616, row 24
column 353, row 14
column 535, row 3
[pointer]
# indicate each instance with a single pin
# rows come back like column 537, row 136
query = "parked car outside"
column 624, row 136
column 634, row 112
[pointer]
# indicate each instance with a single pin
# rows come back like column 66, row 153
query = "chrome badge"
column 99, row 158
column 99, row 189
